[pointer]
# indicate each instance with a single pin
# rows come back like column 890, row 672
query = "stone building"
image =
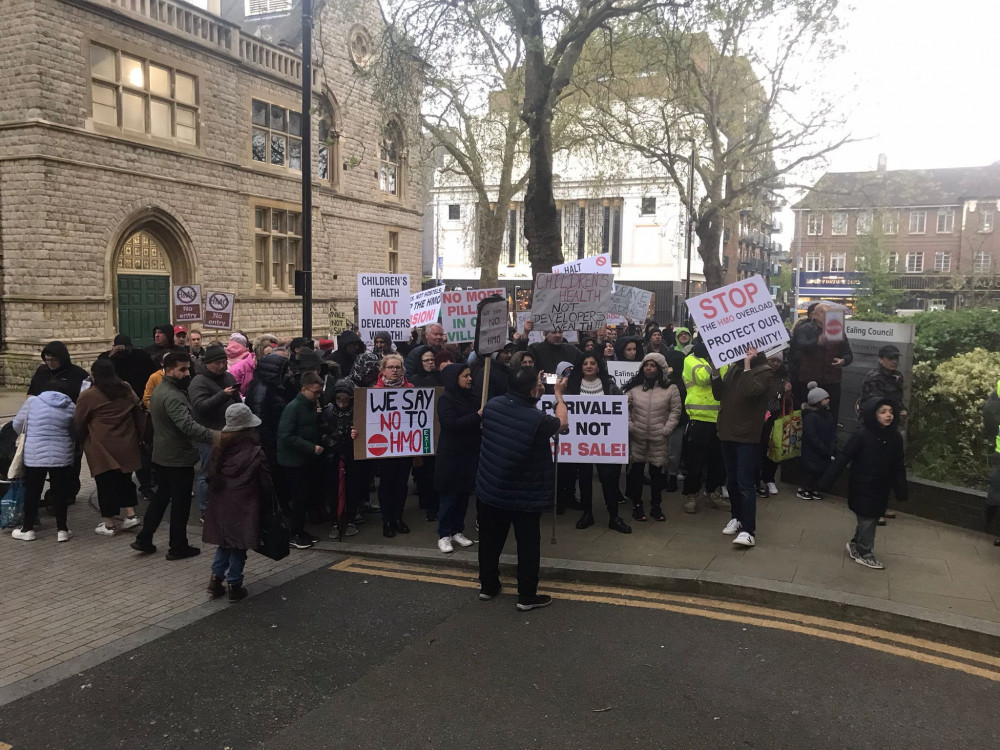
column 151, row 143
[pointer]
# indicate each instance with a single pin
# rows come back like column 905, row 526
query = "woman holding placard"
column 394, row 473
column 591, row 378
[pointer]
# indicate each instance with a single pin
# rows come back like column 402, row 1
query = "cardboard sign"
column 338, row 322
column 630, row 301
column 735, row 317
column 622, row 372
column 571, row 301
column 219, row 310
column 425, row 306
column 534, row 336
column 395, row 422
column 834, row 325
column 383, row 305
column 491, row 326
column 598, row 429
column 187, row 303
column 459, row 311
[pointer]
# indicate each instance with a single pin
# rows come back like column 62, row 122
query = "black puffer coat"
column 267, row 396
column 461, row 435
column 875, row 454
column 819, row 437
column 67, row 372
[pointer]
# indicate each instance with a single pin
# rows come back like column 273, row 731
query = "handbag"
column 274, row 533
column 12, row 506
column 786, row 434
column 16, row 468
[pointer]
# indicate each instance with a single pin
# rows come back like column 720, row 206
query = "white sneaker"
column 104, row 530
column 444, row 544
column 461, row 540
column 64, row 536
column 131, row 523
column 772, row 488
column 24, row 536
column 745, row 539
column 725, row 492
column 733, row 527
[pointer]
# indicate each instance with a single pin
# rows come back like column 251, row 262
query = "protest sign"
column 383, row 305
column 593, row 264
column 598, row 429
column 833, row 325
column 395, row 422
column 622, row 372
column 459, row 310
column 425, row 306
column 187, row 303
column 630, row 301
column 491, row 326
column 219, row 310
column 338, row 322
column 534, row 336
column 571, row 301
column 738, row 316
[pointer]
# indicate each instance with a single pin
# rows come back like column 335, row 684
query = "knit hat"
column 326, row 345
column 308, row 360
column 122, row 340
column 213, row 353
column 239, row 417
column 563, row 369
column 239, row 338
column 344, row 385
column 365, row 366
column 816, row 394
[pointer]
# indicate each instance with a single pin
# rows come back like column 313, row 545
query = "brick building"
column 936, row 227
column 145, row 143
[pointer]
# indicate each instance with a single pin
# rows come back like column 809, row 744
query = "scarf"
column 400, row 382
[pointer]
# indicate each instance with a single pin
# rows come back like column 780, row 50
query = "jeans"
column 451, row 513
column 608, row 475
column 864, row 535
column 702, row 455
column 633, row 484
column 173, row 487
column 204, row 452
column 61, row 483
column 114, row 492
column 494, row 525
column 229, row 564
column 742, row 461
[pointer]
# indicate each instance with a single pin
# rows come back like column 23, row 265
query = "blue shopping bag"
column 12, row 505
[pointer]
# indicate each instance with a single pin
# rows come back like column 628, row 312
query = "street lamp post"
column 305, row 274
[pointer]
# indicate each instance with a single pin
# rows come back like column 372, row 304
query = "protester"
column 154, row 380
column 110, row 421
column 194, row 345
column 781, row 403
column 675, row 442
column 299, row 447
column 702, row 454
column 654, row 413
column 682, row 336
column 514, row 483
column 267, row 396
column 423, row 467
column 609, row 351
column 460, row 419
column 886, row 381
column 175, row 433
column 587, row 344
column 875, row 455
column 743, row 393
column 212, row 391
column 819, row 441
column 57, row 365
column 552, row 350
column 435, row 337
column 382, row 343
column 393, row 473
column 429, row 375
column 628, row 349
column 655, row 343
column 326, row 348
column 163, row 342
column 338, row 420
column 591, row 378
column 817, row 359
column 521, row 359
column 240, row 485
column 366, row 369
column 349, row 346
column 499, row 373
column 49, row 451
column 131, row 365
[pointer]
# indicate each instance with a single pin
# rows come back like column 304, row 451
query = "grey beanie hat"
column 816, row 394
column 239, row 417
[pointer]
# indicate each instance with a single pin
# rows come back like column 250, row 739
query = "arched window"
column 390, row 180
column 328, row 145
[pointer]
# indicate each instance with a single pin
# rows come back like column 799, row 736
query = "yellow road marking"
column 817, row 627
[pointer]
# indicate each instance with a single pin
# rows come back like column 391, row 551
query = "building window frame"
column 986, row 218
column 838, row 224
column 918, row 222
column 392, row 257
column 814, row 261
column 892, row 262
column 942, row 261
column 945, row 221
column 647, row 205
column 838, row 262
column 890, row 222
column 275, row 135
column 863, row 224
column 391, row 165
column 328, row 143
column 915, row 261
column 814, row 224
column 277, row 249
column 454, row 212
column 982, row 262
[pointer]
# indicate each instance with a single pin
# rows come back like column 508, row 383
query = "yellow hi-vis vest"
column 699, row 403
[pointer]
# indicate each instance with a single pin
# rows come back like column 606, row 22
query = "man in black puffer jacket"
column 267, row 396
column 57, row 365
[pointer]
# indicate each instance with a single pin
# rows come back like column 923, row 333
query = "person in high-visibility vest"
column 991, row 421
column 702, row 450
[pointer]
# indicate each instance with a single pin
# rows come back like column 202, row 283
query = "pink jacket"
column 241, row 365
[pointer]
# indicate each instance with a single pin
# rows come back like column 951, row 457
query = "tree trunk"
column 490, row 227
column 709, row 231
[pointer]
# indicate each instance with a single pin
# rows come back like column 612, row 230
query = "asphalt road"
column 356, row 659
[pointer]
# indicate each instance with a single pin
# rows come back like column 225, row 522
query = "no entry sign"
column 733, row 318
column 187, row 303
column 395, row 422
column 219, row 310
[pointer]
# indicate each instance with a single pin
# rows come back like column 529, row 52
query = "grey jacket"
column 209, row 399
column 175, row 430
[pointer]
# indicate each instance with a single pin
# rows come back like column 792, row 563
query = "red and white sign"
column 219, row 310
column 738, row 316
column 187, row 303
column 593, row 264
column 834, row 325
column 598, row 429
column 394, row 422
column 425, row 306
column 459, row 310
column 383, row 305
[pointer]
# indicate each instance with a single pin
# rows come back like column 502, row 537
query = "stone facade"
column 72, row 189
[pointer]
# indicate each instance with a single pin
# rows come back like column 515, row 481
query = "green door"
column 143, row 302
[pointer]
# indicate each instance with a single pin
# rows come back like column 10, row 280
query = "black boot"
column 617, row 524
column 388, row 530
column 671, row 483
column 637, row 512
column 215, row 587
column 236, row 592
column 656, row 513
column 401, row 527
column 586, row 520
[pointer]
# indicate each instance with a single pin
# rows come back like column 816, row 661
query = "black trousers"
column 633, row 483
column 393, row 482
column 173, row 487
column 566, row 476
column 702, row 457
column 608, row 475
column 494, row 525
column 114, row 492
column 299, row 486
column 423, row 476
column 62, row 483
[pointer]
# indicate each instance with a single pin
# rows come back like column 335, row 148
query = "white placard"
column 593, row 264
column 219, row 310
column 622, row 372
column 383, row 305
column 834, row 325
column 187, row 303
column 458, row 312
column 534, row 336
column 630, row 301
column 425, row 306
column 737, row 316
column 571, row 301
column 397, row 422
column 491, row 327
column 598, row 429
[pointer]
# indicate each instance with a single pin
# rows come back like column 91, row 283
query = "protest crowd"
column 263, row 436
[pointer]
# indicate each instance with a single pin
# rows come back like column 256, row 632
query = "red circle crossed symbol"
column 601, row 260
column 378, row 445
column 834, row 327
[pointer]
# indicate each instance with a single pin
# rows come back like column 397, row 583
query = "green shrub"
column 943, row 334
column 946, row 439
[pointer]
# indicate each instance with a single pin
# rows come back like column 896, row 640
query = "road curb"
column 956, row 630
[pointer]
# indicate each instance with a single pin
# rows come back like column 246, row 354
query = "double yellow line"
column 908, row 647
